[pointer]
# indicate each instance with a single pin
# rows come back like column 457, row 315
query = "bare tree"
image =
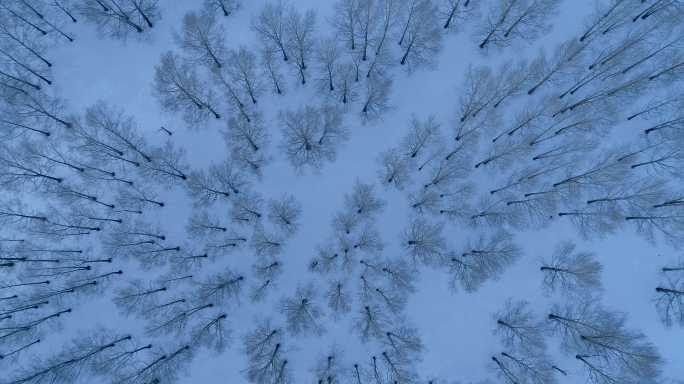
column 189, row 258
column 137, row 296
column 375, row 100
column 512, row 80
column 484, row 259
column 300, row 43
column 243, row 148
column 51, row 153
column 247, row 208
column 60, row 225
column 328, row 368
column 18, row 168
column 664, row 220
column 339, row 300
column 231, row 85
column 388, row 12
column 387, row 365
column 270, row 25
column 422, row 137
column 158, row 364
column 21, row 74
column 467, row 135
column 247, row 136
column 271, row 69
column 528, row 119
column 454, row 12
column 302, row 312
column 346, row 83
column 571, row 271
column 424, row 241
column 427, row 201
column 221, row 289
column 12, row 355
column 227, row 7
column 242, row 69
column 476, row 95
column 267, row 273
column 389, row 300
column 368, row 13
column 513, row 19
column 605, row 349
column 75, row 360
column 593, row 221
column 527, row 178
column 523, row 367
column 655, row 107
column 118, row 19
column 212, row 331
column 518, row 329
column 368, row 240
column 266, row 353
column 660, row 158
column 363, row 201
column 621, row 52
column 178, row 89
column 345, row 20
column 327, row 57
column 118, row 359
column 15, row 127
column 346, row 251
column 266, row 243
column 444, row 172
column 78, row 196
column 601, row 173
column 227, row 241
column 371, row 322
column 115, row 134
column 167, row 164
column 202, row 38
column 502, row 153
column 421, row 37
column 326, row 259
column 398, row 273
column 285, row 213
column 381, row 62
column 346, row 222
column 669, row 300
column 403, row 342
column 394, row 168
column 220, row 181
column 311, row 136
column 37, row 108
column 133, row 200
column 606, row 17
column 19, row 41
column 133, row 238
column 547, row 70
column 41, row 18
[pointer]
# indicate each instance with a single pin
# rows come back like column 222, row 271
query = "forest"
column 342, row 191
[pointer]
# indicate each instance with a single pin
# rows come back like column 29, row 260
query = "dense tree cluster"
column 551, row 144
column 84, row 198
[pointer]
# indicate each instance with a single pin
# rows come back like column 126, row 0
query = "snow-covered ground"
column 455, row 326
